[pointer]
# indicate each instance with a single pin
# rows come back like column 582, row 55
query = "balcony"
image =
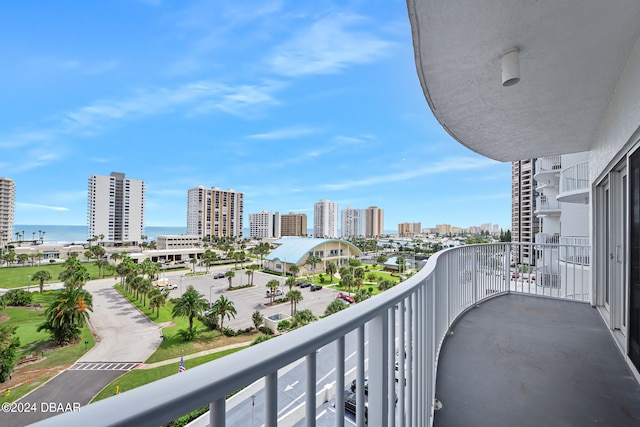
column 574, row 184
column 539, row 361
column 547, row 170
column 546, row 206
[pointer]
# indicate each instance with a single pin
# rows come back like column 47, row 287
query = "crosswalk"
column 104, row 366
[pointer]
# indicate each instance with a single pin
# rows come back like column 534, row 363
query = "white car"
column 277, row 293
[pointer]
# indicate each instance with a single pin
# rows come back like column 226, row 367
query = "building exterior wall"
column 177, row 241
column 7, row 210
column 115, row 208
column 212, row 212
column 325, row 219
column 293, row 224
column 523, row 204
column 374, row 222
column 264, row 225
column 352, row 222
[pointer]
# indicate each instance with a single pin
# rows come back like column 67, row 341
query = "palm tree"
column 144, row 288
column 230, row 275
column 272, row 284
column 23, row 258
column 294, row 269
column 249, row 273
column 257, row 318
column 191, row 304
column 347, row 281
column 115, row 257
column 331, row 269
column 67, row 314
column 101, row 264
column 74, row 274
column 358, row 275
column 41, row 276
column 290, row 282
column 39, row 257
column 157, row 299
column 294, row 296
column 312, row 260
column 253, row 268
column 224, row 308
column 381, row 259
column 401, row 264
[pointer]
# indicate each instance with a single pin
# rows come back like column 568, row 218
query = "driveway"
column 124, row 339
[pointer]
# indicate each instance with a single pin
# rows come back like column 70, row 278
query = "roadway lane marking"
column 104, row 366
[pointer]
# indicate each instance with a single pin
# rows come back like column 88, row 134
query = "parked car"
column 346, row 298
column 366, row 386
column 218, row 276
column 303, row 284
column 170, row 286
column 276, row 293
column 315, row 288
column 350, row 404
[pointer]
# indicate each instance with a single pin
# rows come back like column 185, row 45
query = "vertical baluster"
column 339, row 381
column 392, row 359
column 217, row 413
column 360, row 354
column 378, row 372
column 271, row 400
column 310, row 405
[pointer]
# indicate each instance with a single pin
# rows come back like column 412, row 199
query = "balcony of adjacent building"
column 574, row 184
column 466, row 341
column 547, row 172
column 546, row 206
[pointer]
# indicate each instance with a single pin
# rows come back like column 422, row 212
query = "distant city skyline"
column 287, row 102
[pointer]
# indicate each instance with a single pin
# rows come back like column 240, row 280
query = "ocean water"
column 80, row 233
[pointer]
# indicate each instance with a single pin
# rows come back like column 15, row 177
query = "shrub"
column 210, row 321
column 261, row 338
column 283, row 325
column 265, row 330
column 303, row 317
column 187, row 334
column 229, row 332
column 334, row 307
column 17, row 297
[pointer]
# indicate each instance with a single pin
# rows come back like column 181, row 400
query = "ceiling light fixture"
column 511, row 67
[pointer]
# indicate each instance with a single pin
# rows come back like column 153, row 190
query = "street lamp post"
column 28, row 283
column 211, row 295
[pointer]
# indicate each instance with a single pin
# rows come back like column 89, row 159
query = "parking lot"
column 248, row 300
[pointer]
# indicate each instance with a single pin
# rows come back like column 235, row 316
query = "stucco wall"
column 622, row 118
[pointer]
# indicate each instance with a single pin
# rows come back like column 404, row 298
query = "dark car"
column 218, row 276
column 303, row 284
column 315, row 288
column 366, row 386
column 350, row 404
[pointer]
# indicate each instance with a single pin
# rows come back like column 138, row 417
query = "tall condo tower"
column 115, row 210
column 214, row 212
column 293, row 224
column 374, row 221
column 325, row 219
column 7, row 210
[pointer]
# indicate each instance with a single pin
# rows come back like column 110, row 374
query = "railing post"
column 391, row 345
column 310, row 408
column 360, row 377
column 217, row 413
column 340, row 381
column 271, row 400
column 402, row 361
column 378, row 372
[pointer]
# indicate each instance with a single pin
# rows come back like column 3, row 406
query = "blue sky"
column 289, row 102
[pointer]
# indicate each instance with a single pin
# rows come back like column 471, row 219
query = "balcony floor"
column 526, row 361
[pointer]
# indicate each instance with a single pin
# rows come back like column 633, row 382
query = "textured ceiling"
column 571, row 55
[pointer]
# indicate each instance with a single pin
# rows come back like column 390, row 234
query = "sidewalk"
column 193, row 355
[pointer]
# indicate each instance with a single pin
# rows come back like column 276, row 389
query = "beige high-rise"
column 293, row 224
column 214, row 212
column 7, row 210
column 374, row 223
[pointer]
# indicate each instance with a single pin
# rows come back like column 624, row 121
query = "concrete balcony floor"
column 526, row 361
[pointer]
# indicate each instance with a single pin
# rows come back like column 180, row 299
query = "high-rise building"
column 116, row 209
column 7, row 210
column 352, row 222
column 523, row 204
column 409, row 229
column 443, row 229
column 325, row 219
column 293, row 224
column 374, row 223
column 212, row 212
column 264, row 224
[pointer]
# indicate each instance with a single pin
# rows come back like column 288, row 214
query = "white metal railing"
column 544, row 203
column 547, row 238
column 550, row 163
column 575, row 178
column 420, row 311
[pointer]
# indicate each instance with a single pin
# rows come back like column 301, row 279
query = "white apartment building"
column 7, row 210
column 115, row 211
column 177, row 241
column 325, row 219
column 352, row 222
column 264, row 225
column 212, row 212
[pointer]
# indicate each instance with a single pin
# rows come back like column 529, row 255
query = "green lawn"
column 140, row 377
column 16, row 277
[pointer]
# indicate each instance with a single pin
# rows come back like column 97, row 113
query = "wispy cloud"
column 444, row 166
column 328, row 46
column 349, row 140
column 286, row 133
column 33, row 206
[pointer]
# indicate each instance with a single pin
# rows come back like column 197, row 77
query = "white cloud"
column 286, row 133
column 328, row 46
column 444, row 166
column 33, row 206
